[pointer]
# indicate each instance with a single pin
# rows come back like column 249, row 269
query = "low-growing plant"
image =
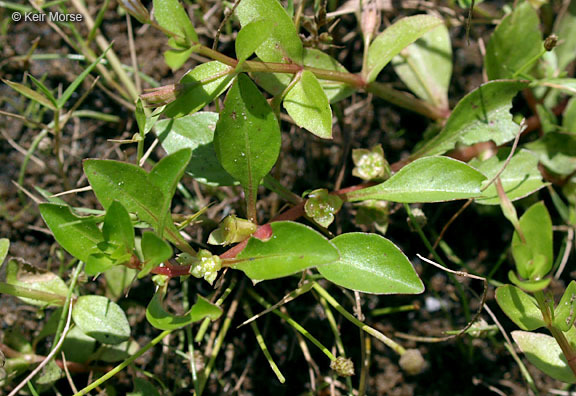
column 274, row 76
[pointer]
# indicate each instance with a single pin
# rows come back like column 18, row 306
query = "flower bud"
column 136, row 9
column 203, row 265
column 370, row 164
column 161, row 96
column 370, row 20
column 412, row 362
column 232, row 230
column 343, row 366
column 550, row 42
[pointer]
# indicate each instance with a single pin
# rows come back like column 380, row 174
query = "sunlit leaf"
column 101, row 319
column 564, row 314
column 520, row 307
column 163, row 320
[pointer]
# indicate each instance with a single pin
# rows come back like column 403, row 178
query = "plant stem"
column 399, row 349
column 123, row 365
column 67, row 303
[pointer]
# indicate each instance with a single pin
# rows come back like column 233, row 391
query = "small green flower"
column 321, row 206
column 370, row 164
column 343, row 366
column 203, row 265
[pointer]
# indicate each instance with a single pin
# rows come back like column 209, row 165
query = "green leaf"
column 118, row 279
column 394, row 39
column 247, row 138
column 143, row 388
column 118, row 226
column 196, row 132
column 115, row 353
column 25, row 275
column 370, row 263
column 251, row 36
column 126, row 183
column 531, row 286
column 514, row 43
column 426, row 66
column 283, row 44
column 564, row 311
column 430, row 179
column 534, row 259
column 199, row 87
column 77, row 346
column 140, row 116
column 175, row 58
column 520, row 307
column 4, row 247
column 292, row 248
column 77, row 235
column 308, row 106
column 520, row 178
column 163, row 320
column 101, row 319
column 334, row 90
column 155, row 251
column 567, row 85
column 166, row 175
column 44, row 90
column 565, row 28
column 556, row 151
column 569, row 117
column 172, row 16
column 544, row 352
column 481, row 116
column 30, row 94
column 78, row 80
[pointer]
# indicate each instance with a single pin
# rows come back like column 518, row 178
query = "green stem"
column 529, row 63
column 123, row 365
column 292, row 323
column 399, row 349
column 67, row 303
column 28, row 155
column 26, row 292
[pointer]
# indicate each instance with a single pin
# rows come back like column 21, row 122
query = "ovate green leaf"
column 163, row 320
column 564, row 313
column 370, row 263
column 155, row 251
column 117, row 226
column 520, row 178
column 520, row 307
column 172, row 16
column 101, row 319
column 25, row 275
column 199, row 87
column 195, row 131
column 430, row 179
column 481, row 116
column 251, row 36
column 77, row 235
column 426, row 66
column 292, row 248
column 544, row 352
column 534, row 259
column 394, row 39
column 514, row 43
column 247, row 137
column 308, row 105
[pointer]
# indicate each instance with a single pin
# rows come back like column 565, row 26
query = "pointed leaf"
column 30, row 94
column 101, row 319
column 166, row 175
column 544, row 352
column 117, row 226
column 520, row 307
column 247, row 137
column 283, row 44
column 308, row 105
column 534, row 259
column 77, row 235
column 370, row 263
column 481, row 116
column 564, row 314
column 44, row 90
column 155, row 251
column 394, row 39
column 292, row 248
column 426, row 66
column 161, row 319
column 199, row 87
column 4, row 247
column 172, row 16
column 195, row 131
column 430, row 179
column 514, row 43
column 251, row 36
column 520, row 178
column 335, row 91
